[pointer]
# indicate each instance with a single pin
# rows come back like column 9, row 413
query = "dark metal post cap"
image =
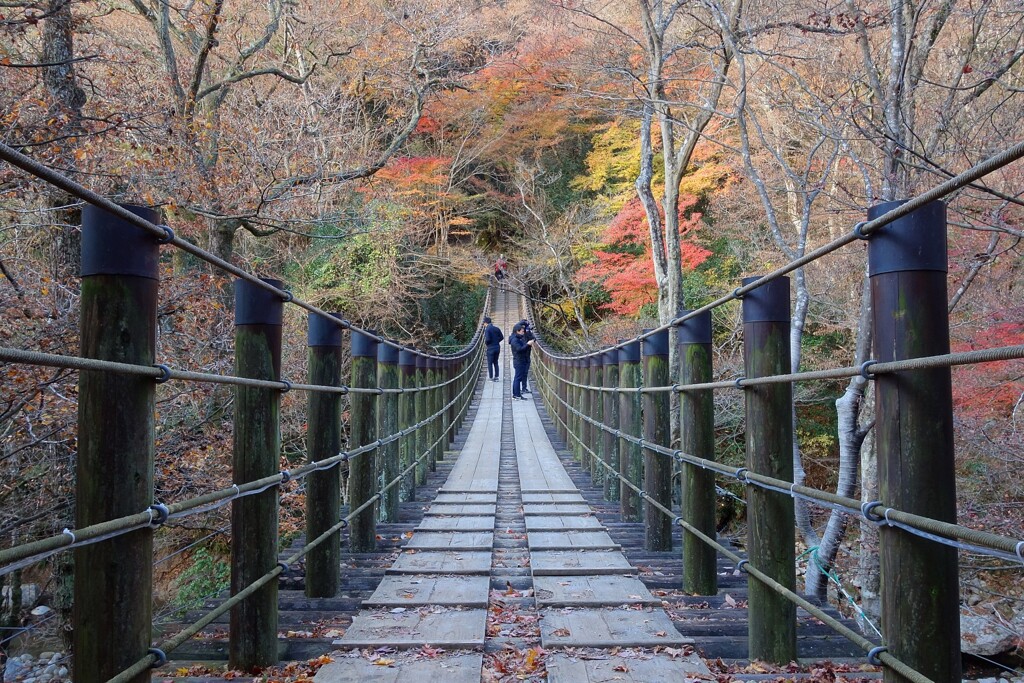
column 768, row 302
column 255, row 305
column 113, row 246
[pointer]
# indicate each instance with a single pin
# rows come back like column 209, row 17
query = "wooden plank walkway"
column 513, row 522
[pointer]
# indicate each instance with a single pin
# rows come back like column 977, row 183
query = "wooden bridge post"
column 406, row 419
column 429, row 396
column 769, row 445
column 323, row 440
column 586, row 405
column 657, row 430
column 576, row 401
column 446, row 395
column 120, row 281
column 362, row 470
column 561, row 369
column 596, row 411
column 451, row 372
column 697, row 437
column 387, row 424
column 433, row 405
column 631, row 462
column 256, row 454
column 421, row 403
column 610, row 415
column 914, row 426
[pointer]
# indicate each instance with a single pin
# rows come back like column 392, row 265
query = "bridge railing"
column 405, row 407
column 611, row 407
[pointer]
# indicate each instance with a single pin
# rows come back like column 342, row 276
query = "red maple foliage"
column 625, row 269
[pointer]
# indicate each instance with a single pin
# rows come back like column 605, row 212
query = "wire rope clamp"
column 283, row 566
column 738, row 383
column 286, row 476
column 287, row 296
column 343, row 524
column 343, row 388
column 161, row 657
column 343, row 456
column 1020, row 551
column 858, row 231
column 865, row 509
column 676, row 388
column 165, row 373
column 741, row 566
column 737, row 294
column 168, row 235
column 678, row 457
column 160, row 514
column 865, row 370
column 677, row 521
column 741, row 474
column 873, row 655
column 286, row 386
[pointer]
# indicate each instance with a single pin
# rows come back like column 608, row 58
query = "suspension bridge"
column 472, row 524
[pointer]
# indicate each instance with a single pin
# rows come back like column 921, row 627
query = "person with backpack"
column 521, row 348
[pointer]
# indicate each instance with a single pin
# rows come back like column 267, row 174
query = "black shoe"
column 517, row 398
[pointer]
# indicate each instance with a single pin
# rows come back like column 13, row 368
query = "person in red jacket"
column 500, row 268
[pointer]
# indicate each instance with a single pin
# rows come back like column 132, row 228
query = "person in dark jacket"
column 528, row 333
column 521, row 348
column 492, row 340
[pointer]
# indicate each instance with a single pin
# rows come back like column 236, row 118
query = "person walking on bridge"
column 521, row 348
column 500, row 268
column 492, row 340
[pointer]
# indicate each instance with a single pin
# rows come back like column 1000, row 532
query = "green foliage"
column 825, row 342
column 356, row 267
column 451, row 312
column 207, row 577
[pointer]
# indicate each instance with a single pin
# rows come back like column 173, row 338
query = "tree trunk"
column 65, row 100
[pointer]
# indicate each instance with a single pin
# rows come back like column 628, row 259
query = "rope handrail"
column 167, row 236
column 153, row 658
column 868, row 369
column 23, row 555
column 884, row 657
column 860, row 231
column 163, row 373
column 1005, row 547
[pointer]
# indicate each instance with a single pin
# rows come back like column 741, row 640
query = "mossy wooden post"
column 362, row 469
column 256, row 454
column 597, row 472
column 769, row 445
column 697, row 438
column 387, row 424
column 570, row 399
column 444, row 397
column 562, row 389
column 406, row 419
column 421, row 404
column 579, row 376
column 610, row 442
column 450, row 392
column 631, row 461
column 433, row 405
column 113, row 587
column 914, row 428
column 657, row 421
column 323, row 440
column 586, row 428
